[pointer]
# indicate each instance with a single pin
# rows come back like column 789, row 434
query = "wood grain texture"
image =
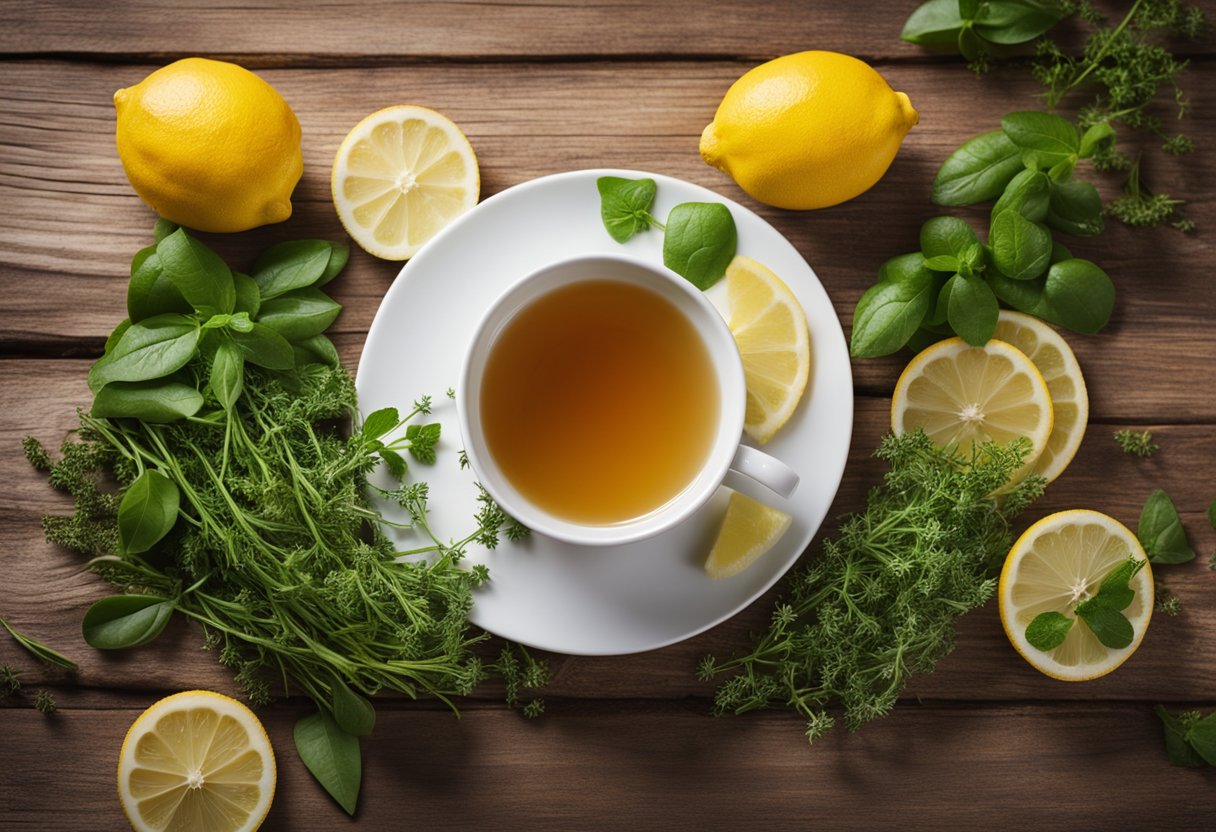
column 643, row 766
column 47, row 594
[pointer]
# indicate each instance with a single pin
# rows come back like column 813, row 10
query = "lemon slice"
column 196, row 761
column 769, row 326
column 963, row 395
column 749, row 529
column 1057, row 563
column 401, row 175
column 1055, row 361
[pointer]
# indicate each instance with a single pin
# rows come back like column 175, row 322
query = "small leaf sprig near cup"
column 955, row 284
column 699, row 238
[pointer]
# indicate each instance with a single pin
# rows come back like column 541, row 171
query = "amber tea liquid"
column 599, row 402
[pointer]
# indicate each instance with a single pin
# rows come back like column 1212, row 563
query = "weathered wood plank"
column 1085, row 765
column 46, row 595
column 69, row 222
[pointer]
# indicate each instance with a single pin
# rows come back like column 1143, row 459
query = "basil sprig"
column 699, row 238
column 976, row 28
column 193, row 323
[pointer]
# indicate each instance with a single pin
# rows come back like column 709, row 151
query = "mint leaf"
column 1110, row 626
column 1045, row 139
column 946, row 235
column 625, row 205
column 1114, row 590
column 1048, row 630
column 978, row 171
column 699, row 242
column 1177, row 748
column 972, row 310
column 1160, row 531
column 891, row 310
column 935, row 23
column 332, row 756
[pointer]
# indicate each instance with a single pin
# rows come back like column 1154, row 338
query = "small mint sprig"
column 699, row 238
column 1103, row 613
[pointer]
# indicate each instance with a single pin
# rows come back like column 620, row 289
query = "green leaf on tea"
column 978, row 171
column 353, row 713
column 699, row 242
column 1048, row 630
column 156, row 401
column 150, row 349
column 332, row 756
column 299, row 314
column 625, row 205
column 122, row 621
column 197, row 272
column 148, row 511
column 1161, row 533
column 291, row 265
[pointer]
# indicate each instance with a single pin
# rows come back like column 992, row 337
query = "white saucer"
column 552, row 595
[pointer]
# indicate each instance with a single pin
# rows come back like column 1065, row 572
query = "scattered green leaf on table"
column 38, row 649
column 122, row 621
column 332, row 755
column 354, row 713
column 1160, row 531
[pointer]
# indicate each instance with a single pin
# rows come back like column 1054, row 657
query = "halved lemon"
column 1056, row 564
column 769, row 326
column 196, row 761
column 749, row 529
column 401, row 175
column 963, row 396
column 1054, row 359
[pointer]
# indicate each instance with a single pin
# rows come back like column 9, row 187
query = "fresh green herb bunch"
column 246, row 509
column 880, row 602
column 955, row 284
column 980, row 30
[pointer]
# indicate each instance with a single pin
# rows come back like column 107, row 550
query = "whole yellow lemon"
column 209, row 145
column 808, row 130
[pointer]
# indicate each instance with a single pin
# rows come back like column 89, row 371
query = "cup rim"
column 728, row 366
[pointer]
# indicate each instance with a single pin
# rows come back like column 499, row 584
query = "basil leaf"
column 1048, row 630
column 379, row 423
column 1212, row 513
column 116, row 335
column 316, row 350
column 1075, row 208
column 1028, row 194
column 1045, row 139
column 353, row 713
column 163, row 228
column 339, row 254
column 248, row 296
column 148, row 511
column 149, row 349
column 300, row 314
column 924, row 338
column 1059, row 252
column 1097, row 138
column 1023, row 295
column 1178, row 750
column 1062, row 170
column 1021, row 249
column 227, row 374
column 942, row 263
column 1015, row 21
column 150, row 292
column 1202, row 737
column 699, row 242
column 970, row 45
column 264, row 347
column 1110, row 626
column 1160, row 531
column 125, row 621
column 890, row 311
column 625, row 205
column 291, row 265
column 946, row 235
column 197, row 272
column 156, row 401
column 1077, row 295
column 972, row 310
column 332, row 755
column 977, row 171
column 935, row 23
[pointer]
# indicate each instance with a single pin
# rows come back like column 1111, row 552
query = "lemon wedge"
column 401, row 175
column 1058, row 563
column 770, row 329
column 963, row 396
column 749, row 529
column 196, row 761
column 1051, row 354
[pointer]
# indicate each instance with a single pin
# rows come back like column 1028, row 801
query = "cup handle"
column 767, row 470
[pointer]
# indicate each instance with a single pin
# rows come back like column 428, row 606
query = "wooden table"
column 985, row 741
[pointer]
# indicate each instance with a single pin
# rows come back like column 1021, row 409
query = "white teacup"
column 725, row 453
